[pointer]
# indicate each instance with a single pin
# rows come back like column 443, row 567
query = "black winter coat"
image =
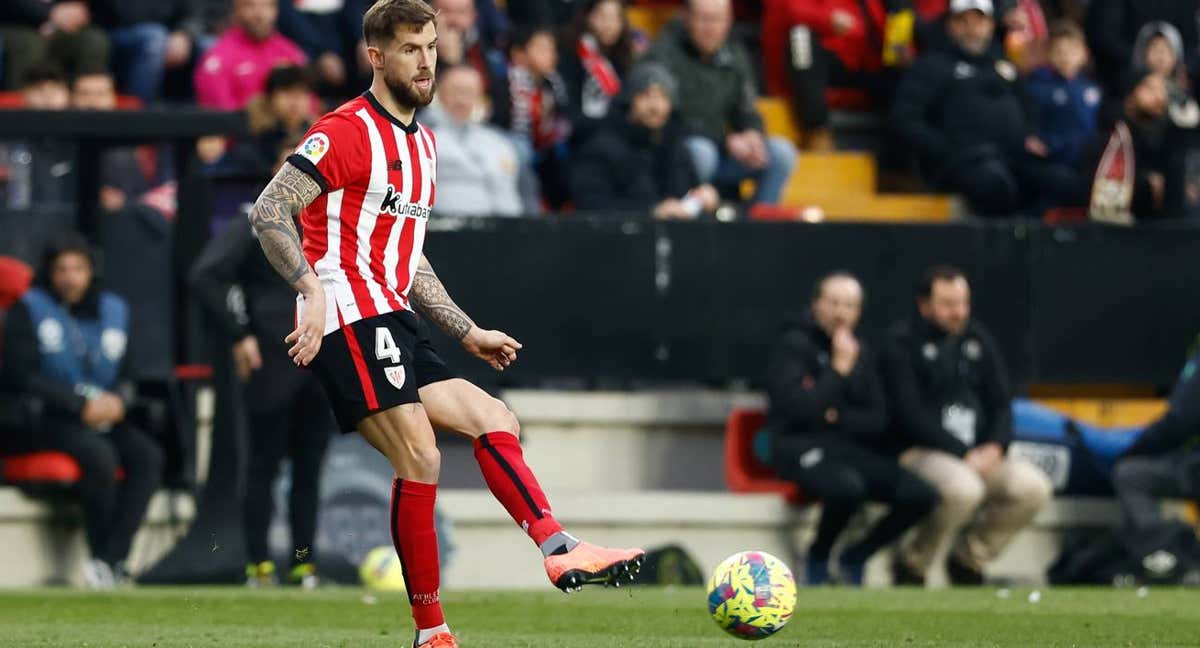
column 626, row 168
column 953, row 107
column 809, row 400
column 933, row 378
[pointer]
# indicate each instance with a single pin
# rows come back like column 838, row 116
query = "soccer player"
column 362, row 182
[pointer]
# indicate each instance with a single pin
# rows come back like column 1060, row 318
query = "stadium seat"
column 42, row 468
column 650, row 19
column 744, row 473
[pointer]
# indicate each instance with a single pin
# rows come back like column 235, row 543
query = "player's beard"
column 406, row 94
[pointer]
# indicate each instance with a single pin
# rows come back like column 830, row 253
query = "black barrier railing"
column 615, row 301
column 630, row 301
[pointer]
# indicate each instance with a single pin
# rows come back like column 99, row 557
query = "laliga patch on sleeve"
column 314, row 148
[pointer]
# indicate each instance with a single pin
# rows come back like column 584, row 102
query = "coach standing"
column 826, row 421
column 950, row 401
column 287, row 411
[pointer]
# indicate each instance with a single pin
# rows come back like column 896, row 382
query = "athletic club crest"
column 395, row 375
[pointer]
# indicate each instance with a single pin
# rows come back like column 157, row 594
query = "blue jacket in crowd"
column 1065, row 111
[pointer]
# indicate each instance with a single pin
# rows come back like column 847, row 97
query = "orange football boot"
column 440, row 640
column 588, row 564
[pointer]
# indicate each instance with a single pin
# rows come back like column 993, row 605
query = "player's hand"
column 306, row 339
column 246, row 357
column 493, row 347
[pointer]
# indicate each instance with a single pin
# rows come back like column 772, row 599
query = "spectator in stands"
column 148, row 36
column 1164, row 461
column 950, row 402
column 1066, row 103
column 235, row 69
column 810, row 46
column 32, row 30
column 462, row 40
column 45, row 87
column 638, row 161
column 64, row 343
column 596, row 53
column 963, row 113
column 279, row 116
column 716, row 100
column 533, row 105
column 1113, row 25
column 1159, row 49
column 288, row 414
column 480, row 20
column 122, row 178
column 330, row 33
column 827, row 418
column 479, row 171
column 1160, row 137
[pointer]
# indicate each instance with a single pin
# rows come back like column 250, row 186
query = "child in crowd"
column 1066, row 102
column 533, row 106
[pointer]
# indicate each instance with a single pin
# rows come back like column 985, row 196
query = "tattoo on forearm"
column 431, row 297
column 273, row 219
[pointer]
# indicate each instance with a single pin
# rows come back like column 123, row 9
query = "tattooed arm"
column 273, row 219
column 430, row 296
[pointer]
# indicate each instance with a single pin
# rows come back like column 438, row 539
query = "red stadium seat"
column 42, row 468
column 744, row 473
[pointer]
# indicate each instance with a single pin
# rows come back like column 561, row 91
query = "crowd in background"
column 561, row 105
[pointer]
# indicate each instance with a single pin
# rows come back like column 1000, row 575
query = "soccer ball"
column 381, row 570
column 752, row 595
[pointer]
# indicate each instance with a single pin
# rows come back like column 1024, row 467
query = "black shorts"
column 375, row 364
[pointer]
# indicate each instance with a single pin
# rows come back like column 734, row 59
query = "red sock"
column 416, row 544
column 504, row 469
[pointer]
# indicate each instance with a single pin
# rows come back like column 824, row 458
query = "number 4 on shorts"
column 385, row 346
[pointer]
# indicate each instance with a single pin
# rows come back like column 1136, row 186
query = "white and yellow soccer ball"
column 380, row 570
column 752, row 595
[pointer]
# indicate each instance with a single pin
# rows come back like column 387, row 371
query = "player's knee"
column 421, row 462
column 498, row 418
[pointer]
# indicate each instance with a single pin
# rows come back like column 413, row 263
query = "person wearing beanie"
column 637, row 160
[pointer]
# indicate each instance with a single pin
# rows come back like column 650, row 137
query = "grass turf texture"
column 175, row 616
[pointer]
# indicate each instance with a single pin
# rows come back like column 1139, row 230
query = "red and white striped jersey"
column 363, row 235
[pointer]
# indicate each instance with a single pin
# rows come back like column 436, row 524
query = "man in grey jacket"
column 479, row 171
column 716, row 99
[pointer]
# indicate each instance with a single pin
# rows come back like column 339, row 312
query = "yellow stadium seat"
column 650, row 19
column 1109, row 412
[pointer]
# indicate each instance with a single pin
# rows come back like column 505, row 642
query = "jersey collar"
column 407, row 128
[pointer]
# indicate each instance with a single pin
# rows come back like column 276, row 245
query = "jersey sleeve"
column 333, row 151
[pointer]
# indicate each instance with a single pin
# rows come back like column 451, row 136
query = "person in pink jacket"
column 235, row 68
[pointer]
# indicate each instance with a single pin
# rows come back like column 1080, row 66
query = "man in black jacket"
column 638, row 161
column 827, row 416
column 288, row 412
column 950, row 401
column 963, row 113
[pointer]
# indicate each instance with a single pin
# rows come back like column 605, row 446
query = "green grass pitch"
column 636, row 617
